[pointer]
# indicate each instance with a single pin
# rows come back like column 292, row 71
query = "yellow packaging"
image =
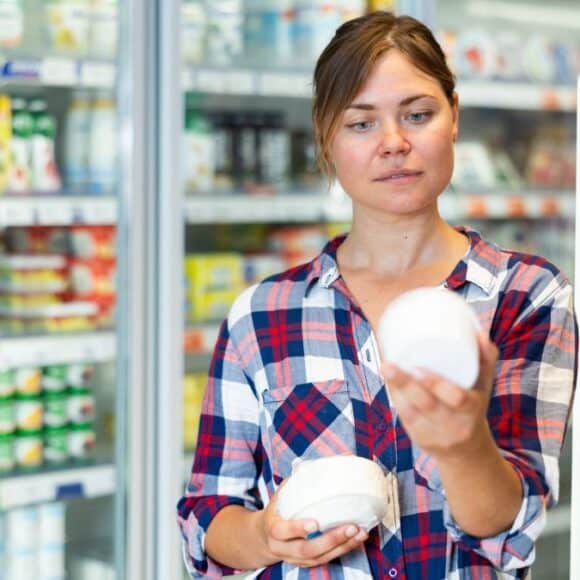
column 193, row 390
column 206, row 272
column 210, row 306
column 5, row 141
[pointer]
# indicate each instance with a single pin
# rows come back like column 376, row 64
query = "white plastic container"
column 104, row 28
column 76, row 142
column 103, row 146
column 343, row 489
column 11, row 23
column 434, row 329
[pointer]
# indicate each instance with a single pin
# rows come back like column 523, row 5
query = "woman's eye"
column 419, row 117
column 360, row 126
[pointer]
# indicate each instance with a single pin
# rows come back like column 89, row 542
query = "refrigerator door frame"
column 150, row 358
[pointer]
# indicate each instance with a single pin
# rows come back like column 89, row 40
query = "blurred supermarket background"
column 249, row 202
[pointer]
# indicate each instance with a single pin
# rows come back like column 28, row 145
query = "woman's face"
column 393, row 148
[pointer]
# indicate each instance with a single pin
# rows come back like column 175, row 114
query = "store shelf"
column 518, row 96
column 57, row 71
column 320, row 208
column 51, row 349
column 77, row 482
column 57, row 211
column 485, row 94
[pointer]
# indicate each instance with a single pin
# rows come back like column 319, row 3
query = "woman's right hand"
column 286, row 540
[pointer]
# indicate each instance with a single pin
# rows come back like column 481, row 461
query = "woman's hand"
column 440, row 417
column 286, row 540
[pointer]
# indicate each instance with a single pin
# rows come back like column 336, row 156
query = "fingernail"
column 310, row 527
column 350, row 531
column 361, row 536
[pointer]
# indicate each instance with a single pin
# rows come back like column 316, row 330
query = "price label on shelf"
column 211, row 81
column 97, row 74
column 285, row 85
column 515, row 207
column 51, row 212
column 97, row 212
column 58, row 72
column 476, row 207
column 241, row 83
column 16, row 213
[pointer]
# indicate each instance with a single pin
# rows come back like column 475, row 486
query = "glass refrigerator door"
column 517, row 64
column 58, row 259
column 255, row 205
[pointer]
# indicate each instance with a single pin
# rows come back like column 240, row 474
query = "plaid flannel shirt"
column 295, row 374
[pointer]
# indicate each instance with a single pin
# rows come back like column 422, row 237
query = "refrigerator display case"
column 63, row 427
column 255, row 203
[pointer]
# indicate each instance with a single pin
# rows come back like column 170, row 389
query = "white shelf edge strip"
column 85, row 482
column 55, row 349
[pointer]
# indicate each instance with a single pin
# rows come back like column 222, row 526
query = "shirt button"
column 393, row 573
column 382, row 426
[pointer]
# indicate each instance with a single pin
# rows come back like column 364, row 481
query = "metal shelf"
column 472, row 93
column 58, row 72
column 326, row 208
column 75, row 482
column 56, row 349
column 57, row 211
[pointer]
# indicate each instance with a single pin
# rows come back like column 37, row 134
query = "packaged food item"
column 11, row 23
column 28, row 448
column 81, row 440
column 5, row 142
column 273, row 150
column 224, row 38
column 219, row 271
column 56, row 409
column 56, row 442
column 476, row 54
column 7, row 461
column 93, row 241
column 268, row 29
column 80, row 406
column 51, row 541
column 210, row 306
column 7, row 383
column 54, row 378
column 22, row 127
column 39, row 240
column 198, row 149
column 260, row 266
column 68, row 26
column 92, row 277
column 104, row 28
column 102, row 155
column 45, row 177
column 80, row 375
column 193, row 30
column 28, row 381
column 193, row 389
column 76, row 142
column 7, row 417
column 29, row 412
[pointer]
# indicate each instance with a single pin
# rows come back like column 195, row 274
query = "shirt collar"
column 478, row 266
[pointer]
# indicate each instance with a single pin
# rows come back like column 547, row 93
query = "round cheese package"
column 343, row 489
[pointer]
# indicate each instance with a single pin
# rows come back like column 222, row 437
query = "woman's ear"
column 455, row 115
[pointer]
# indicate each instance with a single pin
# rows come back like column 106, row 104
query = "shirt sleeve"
column 224, row 470
column 529, row 412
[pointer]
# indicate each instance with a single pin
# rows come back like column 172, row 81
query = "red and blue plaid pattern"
column 295, row 375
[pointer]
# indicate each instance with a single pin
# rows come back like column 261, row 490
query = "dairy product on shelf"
column 198, row 149
column 22, row 126
column 224, row 31
column 11, row 23
column 44, row 173
column 5, row 142
column 104, row 28
column 193, row 30
column 68, row 25
column 76, row 141
column 102, row 154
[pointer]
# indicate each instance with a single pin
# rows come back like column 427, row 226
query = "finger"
column 447, row 394
column 413, row 388
column 330, row 545
column 284, row 530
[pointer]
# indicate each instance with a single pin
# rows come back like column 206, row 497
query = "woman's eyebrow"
column 404, row 102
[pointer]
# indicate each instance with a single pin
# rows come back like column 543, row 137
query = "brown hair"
column 349, row 59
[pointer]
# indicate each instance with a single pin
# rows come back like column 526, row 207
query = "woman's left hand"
column 440, row 417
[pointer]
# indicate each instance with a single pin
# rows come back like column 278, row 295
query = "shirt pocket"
column 307, row 421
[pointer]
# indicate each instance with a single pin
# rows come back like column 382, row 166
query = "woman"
column 296, row 371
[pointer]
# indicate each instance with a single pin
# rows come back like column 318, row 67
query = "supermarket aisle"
column 254, row 204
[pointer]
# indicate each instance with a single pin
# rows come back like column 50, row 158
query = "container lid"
column 28, row 397
column 6, row 436
column 28, row 433
column 62, row 430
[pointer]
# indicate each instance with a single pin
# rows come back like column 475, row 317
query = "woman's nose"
column 393, row 141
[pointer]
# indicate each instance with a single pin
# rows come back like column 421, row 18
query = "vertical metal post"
column 150, row 353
